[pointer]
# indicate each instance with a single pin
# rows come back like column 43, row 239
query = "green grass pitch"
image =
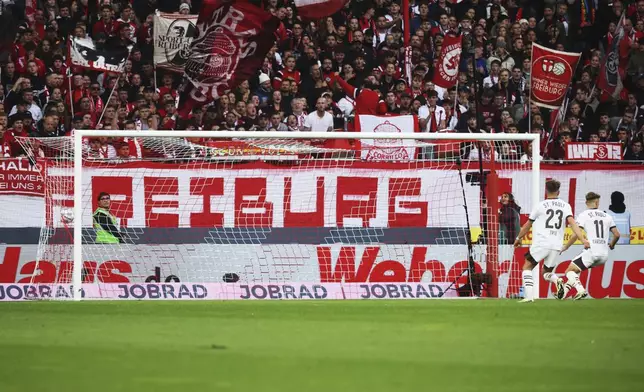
column 435, row 345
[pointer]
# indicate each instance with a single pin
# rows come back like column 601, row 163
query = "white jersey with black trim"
column 597, row 224
column 549, row 223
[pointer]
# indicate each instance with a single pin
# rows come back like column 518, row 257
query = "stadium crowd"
column 363, row 44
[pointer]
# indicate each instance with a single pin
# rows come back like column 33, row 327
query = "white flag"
column 173, row 34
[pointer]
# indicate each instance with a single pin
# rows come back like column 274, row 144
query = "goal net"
column 246, row 215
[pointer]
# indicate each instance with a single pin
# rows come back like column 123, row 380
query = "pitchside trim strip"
column 229, row 291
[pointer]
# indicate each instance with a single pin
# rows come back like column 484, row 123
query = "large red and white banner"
column 387, row 149
column 117, row 269
column 552, row 73
column 332, row 263
column 449, row 61
column 388, row 194
column 603, row 151
column 233, row 38
column 273, row 197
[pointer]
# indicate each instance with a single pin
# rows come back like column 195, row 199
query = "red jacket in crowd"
column 367, row 101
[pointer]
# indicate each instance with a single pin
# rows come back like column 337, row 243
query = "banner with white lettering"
column 387, row 149
column 602, row 151
column 446, row 73
column 19, row 177
column 173, row 34
column 552, row 73
column 147, row 194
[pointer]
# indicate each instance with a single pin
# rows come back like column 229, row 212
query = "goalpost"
column 285, row 215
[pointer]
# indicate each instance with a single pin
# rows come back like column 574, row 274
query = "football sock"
column 573, row 281
column 527, row 283
column 549, row 276
column 567, row 286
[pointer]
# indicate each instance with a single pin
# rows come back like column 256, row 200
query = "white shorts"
column 549, row 256
column 586, row 260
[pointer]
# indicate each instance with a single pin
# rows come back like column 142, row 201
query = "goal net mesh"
column 256, row 217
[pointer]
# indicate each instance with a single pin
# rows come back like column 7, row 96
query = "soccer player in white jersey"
column 596, row 224
column 548, row 220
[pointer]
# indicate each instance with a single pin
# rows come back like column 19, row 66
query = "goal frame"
column 80, row 134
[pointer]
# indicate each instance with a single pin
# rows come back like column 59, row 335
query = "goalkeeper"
column 105, row 223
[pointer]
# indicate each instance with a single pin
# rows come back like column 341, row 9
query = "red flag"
column 232, row 40
column 446, row 73
column 316, row 9
column 552, row 73
column 609, row 78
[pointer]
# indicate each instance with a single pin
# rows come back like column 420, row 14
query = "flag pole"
column 590, row 95
column 530, row 96
column 406, row 25
column 406, row 37
column 70, row 74
column 561, row 111
column 108, row 98
column 71, row 91
column 476, row 80
column 116, row 84
column 454, row 110
column 156, row 86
